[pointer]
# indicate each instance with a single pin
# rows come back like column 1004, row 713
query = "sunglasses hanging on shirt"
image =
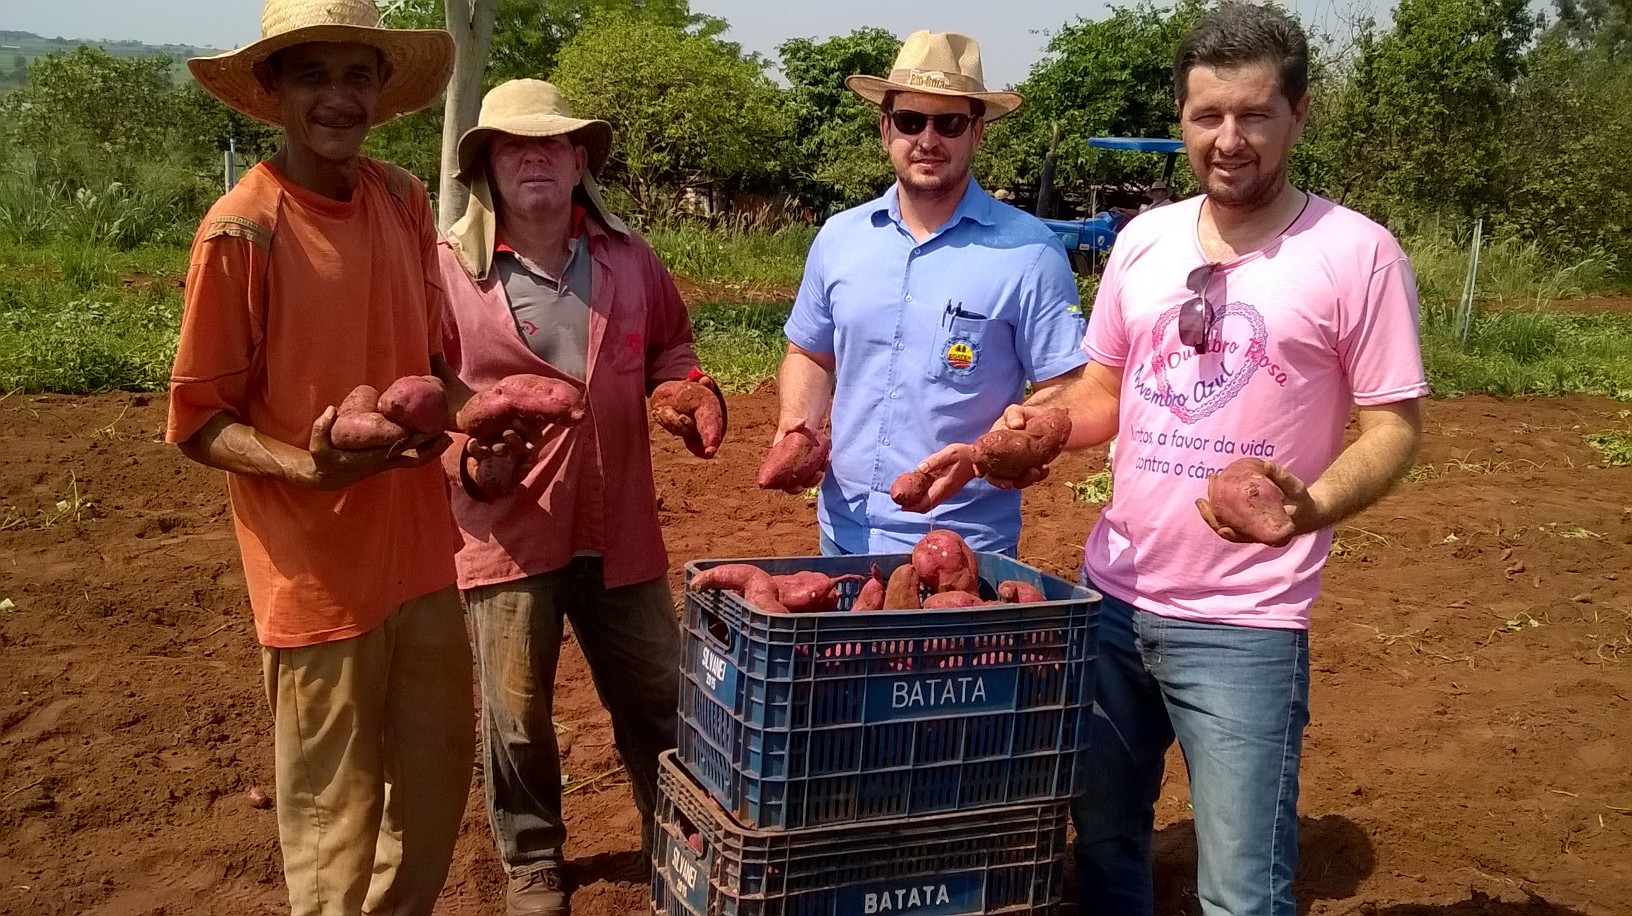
column 911, row 123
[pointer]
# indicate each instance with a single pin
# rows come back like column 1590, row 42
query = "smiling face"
column 927, row 162
column 1238, row 133
column 535, row 174
column 327, row 95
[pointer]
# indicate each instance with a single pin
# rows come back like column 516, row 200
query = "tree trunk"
column 471, row 22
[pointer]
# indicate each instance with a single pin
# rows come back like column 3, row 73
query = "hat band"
column 939, row 80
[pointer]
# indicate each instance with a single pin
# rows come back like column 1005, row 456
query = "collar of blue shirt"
column 976, row 205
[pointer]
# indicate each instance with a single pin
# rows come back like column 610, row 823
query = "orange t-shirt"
column 293, row 299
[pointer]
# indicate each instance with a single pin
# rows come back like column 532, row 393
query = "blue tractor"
column 1090, row 239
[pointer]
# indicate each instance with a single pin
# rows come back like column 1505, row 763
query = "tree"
column 1420, row 125
column 87, row 104
column 687, row 109
column 838, row 158
column 471, row 22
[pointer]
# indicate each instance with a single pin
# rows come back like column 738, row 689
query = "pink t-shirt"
column 1322, row 318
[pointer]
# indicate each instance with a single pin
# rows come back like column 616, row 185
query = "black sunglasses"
column 1196, row 316
column 912, row 123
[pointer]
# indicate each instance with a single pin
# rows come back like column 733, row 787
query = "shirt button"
column 894, row 394
column 884, row 442
column 900, row 346
column 909, row 297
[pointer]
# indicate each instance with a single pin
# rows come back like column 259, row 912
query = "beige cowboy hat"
column 523, row 108
column 421, row 60
column 530, row 108
column 937, row 63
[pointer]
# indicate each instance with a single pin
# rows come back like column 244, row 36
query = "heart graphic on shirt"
column 1188, row 407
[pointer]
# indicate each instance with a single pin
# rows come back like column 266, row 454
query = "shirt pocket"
column 962, row 351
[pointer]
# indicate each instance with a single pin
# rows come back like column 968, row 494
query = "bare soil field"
column 1470, row 750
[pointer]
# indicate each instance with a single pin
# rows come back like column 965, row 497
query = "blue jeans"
column 1237, row 700
column 631, row 639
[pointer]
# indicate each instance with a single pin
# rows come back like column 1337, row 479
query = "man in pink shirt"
column 542, row 279
column 1244, row 322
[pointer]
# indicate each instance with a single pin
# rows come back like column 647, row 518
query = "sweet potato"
column 1244, row 498
column 494, row 476
column 871, row 596
column 901, row 593
column 911, row 488
column 955, row 598
column 492, row 410
column 946, row 563
column 1016, row 592
column 796, row 461
column 808, row 592
column 693, row 412
column 360, row 425
column 1010, row 453
column 418, row 403
column 752, row 583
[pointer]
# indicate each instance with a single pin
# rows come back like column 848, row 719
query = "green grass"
column 741, row 345
column 750, row 258
column 1095, row 488
column 1509, row 269
column 1512, row 352
column 1615, row 445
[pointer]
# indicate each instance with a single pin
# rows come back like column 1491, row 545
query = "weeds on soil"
column 1615, row 445
column 1095, row 488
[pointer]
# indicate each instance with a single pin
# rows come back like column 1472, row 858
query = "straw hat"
column 421, row 60
column 530, row 108
column 937, row 63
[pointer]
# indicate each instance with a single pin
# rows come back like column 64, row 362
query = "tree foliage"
column 686, row 109
column 838, row 159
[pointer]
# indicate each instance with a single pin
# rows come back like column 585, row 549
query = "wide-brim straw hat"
column 530, row 108
column 421, row 60
column 937, row 63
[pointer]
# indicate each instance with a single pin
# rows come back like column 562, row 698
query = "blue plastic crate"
column 810, row 719
column 1001, row 860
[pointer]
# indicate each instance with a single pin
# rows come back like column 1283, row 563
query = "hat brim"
column 596, row 137
column 421, row 61
column 875, row 88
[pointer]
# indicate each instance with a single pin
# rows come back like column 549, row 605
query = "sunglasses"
column 912, row 123
column 1196, row 316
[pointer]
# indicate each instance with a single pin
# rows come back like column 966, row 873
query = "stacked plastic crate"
column 844, row 763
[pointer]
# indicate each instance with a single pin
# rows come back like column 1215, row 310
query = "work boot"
column 536, row 890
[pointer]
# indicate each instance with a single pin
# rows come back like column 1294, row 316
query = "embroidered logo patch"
column 961, row 354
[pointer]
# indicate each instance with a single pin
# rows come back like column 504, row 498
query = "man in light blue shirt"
column 924, row 313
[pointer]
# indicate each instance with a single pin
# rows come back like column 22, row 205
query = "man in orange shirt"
column 315, row 274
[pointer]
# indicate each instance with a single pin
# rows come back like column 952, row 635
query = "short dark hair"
column 1237, row 34
column 977, row 108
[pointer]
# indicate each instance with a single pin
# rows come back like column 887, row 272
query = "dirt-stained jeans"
column 629, row 636
column 373, row 739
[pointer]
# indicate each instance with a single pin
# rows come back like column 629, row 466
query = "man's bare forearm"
column 1093, row 399
column 805, row 386
column 1371, row 465
column 237, row 448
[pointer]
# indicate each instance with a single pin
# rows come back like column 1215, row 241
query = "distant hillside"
column 19, row 49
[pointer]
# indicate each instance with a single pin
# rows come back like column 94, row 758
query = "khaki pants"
column 374, row 740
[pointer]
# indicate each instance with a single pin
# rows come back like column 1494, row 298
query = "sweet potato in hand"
column 418, row 403
column 1245, row 500
column 797, row 461
column 359, row 424
column 1017, row 454
column 493, row 476
column 945, row 562
column 534, row 398
column 692, row 411
column 752, row 583
column 911, row 488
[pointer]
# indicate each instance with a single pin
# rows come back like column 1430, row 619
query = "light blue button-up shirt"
column 932, row 341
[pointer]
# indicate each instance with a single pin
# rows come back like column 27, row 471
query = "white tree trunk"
column 471, row 22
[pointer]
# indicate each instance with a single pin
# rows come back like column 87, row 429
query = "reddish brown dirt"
column 1472, row 676
column 1591, row 305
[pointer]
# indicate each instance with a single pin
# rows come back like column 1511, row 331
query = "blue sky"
column 1011, row 32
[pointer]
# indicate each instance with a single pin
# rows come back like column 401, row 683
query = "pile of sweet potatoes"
column 941, row 573
column 413, row 408
column 492, row 412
